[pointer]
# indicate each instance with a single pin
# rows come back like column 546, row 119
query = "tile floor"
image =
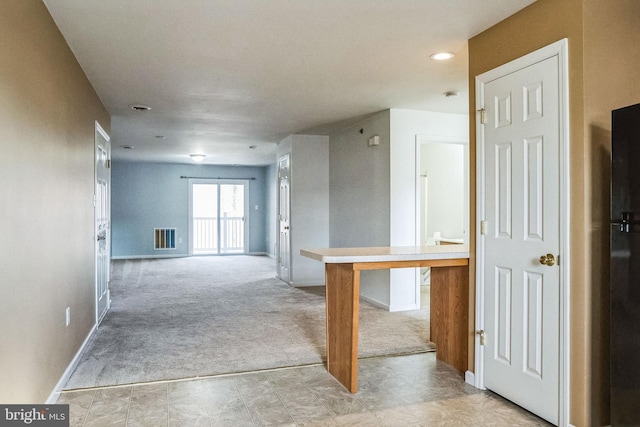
column 413, row 390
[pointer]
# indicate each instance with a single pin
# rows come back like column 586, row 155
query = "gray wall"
column 309, row 204
column 373, row 192
column 47, row 117
column 359, row 195
column 149, row 195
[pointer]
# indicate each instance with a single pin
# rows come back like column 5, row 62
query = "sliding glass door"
column 217, row 211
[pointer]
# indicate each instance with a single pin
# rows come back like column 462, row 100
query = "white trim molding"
column 150, row 256
column 470, row 378
column 55, row 393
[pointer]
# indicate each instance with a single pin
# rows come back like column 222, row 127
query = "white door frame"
column 286, row 156
column 559, row 49
column 99, row 130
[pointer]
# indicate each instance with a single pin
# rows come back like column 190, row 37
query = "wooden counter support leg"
column 343, row 293
column 449, row 314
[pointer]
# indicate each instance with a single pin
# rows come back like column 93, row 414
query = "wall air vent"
column 164, row 238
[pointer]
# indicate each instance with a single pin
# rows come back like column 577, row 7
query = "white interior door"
column 284, row 240
column 519, row 152
column 102, row 216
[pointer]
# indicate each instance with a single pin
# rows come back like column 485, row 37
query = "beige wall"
column 611, row 80
column 538, row 25
column 603, row 63
column 47, row 113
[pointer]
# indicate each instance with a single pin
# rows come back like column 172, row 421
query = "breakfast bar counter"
column 449, row 298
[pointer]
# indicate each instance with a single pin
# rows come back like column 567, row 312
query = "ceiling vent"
column 139, row 107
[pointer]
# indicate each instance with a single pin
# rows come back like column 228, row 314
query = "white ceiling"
column 224, row 75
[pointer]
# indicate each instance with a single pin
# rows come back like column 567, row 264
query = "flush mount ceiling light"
column 442, row 56
column 197, row 157
column 139, row 107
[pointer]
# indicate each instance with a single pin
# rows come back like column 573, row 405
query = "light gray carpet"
column 200, row 316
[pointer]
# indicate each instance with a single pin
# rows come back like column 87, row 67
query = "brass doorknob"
column 547, row 259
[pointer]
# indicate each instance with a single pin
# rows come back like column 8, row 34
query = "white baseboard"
column 470, row 378
column 305, row 284
column 53, row 397
column 374, row 302
column 149, row 256
column 267, row 254
column 398, row 308
column 183, row 256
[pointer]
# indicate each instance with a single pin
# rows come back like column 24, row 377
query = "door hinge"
column 483, row 228
column 108, row 164
column 483, row 116
column 480, row 333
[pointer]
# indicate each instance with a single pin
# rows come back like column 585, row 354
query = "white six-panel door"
column 102, row 213
column 520, row 155
column 284, row 210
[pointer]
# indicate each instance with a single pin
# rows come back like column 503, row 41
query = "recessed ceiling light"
column 127, row 147
column 442, row 56
column 139, row 107
column 197, row 157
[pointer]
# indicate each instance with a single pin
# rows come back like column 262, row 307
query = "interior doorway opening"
column 442, row 199
column 217, row 215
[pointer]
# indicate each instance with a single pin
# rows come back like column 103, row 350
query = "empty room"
column 315, row 213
